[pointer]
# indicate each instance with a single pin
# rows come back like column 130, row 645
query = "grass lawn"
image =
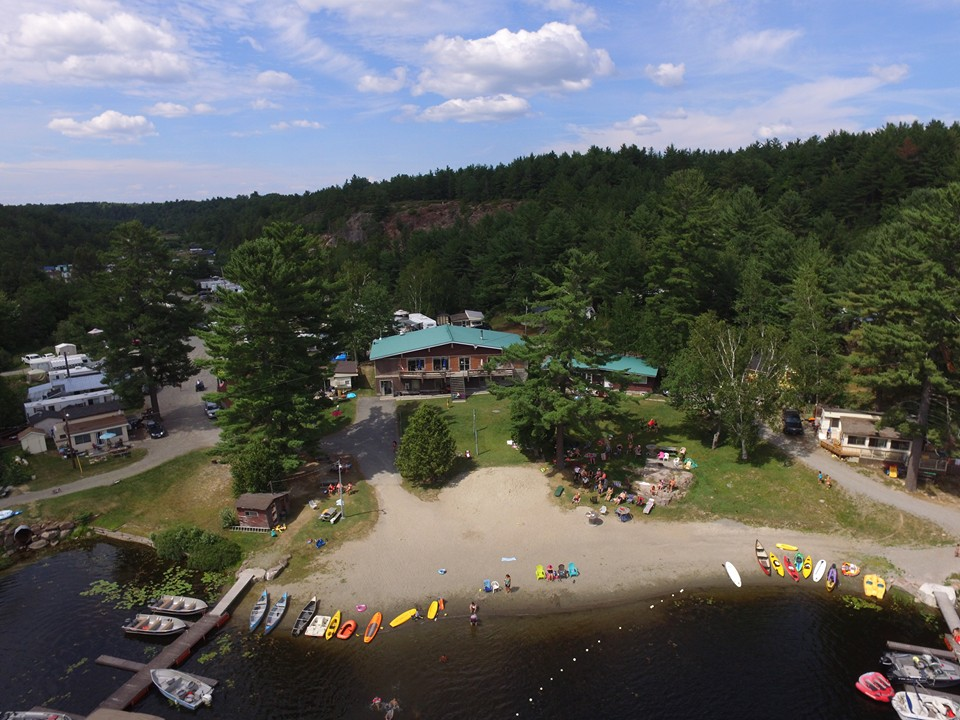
column 51, row 470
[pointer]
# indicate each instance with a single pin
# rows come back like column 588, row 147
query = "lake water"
column 789, row 651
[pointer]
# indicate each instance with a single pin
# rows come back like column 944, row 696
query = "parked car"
column 792, row 422
column 212, row 409
column 155, row 428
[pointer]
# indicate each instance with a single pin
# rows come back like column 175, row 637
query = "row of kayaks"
column 310, row 624
column 800, row 565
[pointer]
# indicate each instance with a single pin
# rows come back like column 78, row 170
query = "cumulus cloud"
column 575, row 12
column 46, row 46
column 666, row 74
column 478, row 109
column 761, row 45
column 110, row 125
column 777, row 130
column 264, row 104
column 203, row 108
column 305, row 124
column 275, row 79
column 551, row 59
column 383, row 84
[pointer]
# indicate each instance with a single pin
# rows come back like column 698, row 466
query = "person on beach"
column 576, row 501
column 473, row 608
column 507, row 581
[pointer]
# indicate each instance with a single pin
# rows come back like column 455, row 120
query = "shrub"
column 202, row 550
column 228, row 517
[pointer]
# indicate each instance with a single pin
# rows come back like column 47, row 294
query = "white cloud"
column 304, row 124
column 778, row 130
column 110, row 125
column 169, row 109
column 275, row 79
column 554, row 58
column 203, row 108
column 666, row 74
column 98, row 44
column 383, row 84
column 252, row 42
column 478, row 109
column 264, row 104
column 761, row 45
column 890, row 73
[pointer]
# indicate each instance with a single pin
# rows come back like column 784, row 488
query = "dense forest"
column 772, row 236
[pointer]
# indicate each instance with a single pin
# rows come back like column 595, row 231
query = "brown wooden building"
column 262, row 510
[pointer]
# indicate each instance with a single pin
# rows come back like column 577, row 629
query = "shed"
column 262, row 510
column 343, row 374
column 33, row 440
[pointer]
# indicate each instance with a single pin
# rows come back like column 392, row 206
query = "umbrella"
column 107, row 435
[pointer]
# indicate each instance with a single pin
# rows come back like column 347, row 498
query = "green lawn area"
column 51, row 470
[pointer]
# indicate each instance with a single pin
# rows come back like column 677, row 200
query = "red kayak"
column 876, row 686
column 788, row 564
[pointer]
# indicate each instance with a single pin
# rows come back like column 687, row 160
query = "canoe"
column 7, row 514
column 777, row 565
column 305, row 616
column 733, row 573
column 791, row 570
column 763, row 559
column 154, row 625
column 317, row 626
column 183, row 688
column 807, row 567
column 346, row 629
column 333, row 626
column 403, row 617
column 874, row 586
column 849, row 569
column 819, row 570
column 914, row 705
column 833, row 577
column 259, row 610
column 876, row 686
column 373, row 627
column 432, row 610
column 790, row 548
column 276, row 612
column 177, row 605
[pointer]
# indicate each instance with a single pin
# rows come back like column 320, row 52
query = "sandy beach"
column 490, row 515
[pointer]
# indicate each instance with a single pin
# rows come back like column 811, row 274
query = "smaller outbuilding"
column 262, row 510
column 33, row 440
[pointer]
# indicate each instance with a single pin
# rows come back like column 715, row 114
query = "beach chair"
column 551, row 575
column 603, row 509
column 540, row 573
column 624, row 517
column 487, row 587
column 572, row 570
column 649, row 506
column 495, row 585
column 561, row 572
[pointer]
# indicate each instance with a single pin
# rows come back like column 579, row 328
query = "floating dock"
column 174, row 654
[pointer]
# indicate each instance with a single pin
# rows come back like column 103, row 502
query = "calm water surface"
column 787, row 652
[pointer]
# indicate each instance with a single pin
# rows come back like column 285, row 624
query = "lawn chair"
column 561, row 572
column 572, row 569
column 496, row 586
column 541, row 575
column 487, row 587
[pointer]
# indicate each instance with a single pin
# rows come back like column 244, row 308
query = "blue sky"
column 150, row 100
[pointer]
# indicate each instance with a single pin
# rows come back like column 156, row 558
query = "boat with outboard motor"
column 925, row 670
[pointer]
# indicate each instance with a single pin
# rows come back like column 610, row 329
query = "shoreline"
column 494, row 513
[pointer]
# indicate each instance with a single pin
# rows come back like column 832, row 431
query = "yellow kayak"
column 333, row 626
column 807, row 567
column 874, row 586
column 777, row 565
column 403, row 617
column 432, row 610
column 784, row 546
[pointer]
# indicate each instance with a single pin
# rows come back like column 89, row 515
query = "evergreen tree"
column 364, row 309
column 427, row 450
column 253, row 468
column 905, row 298
column 559, row 394
column 261, row 339
column 146, row 322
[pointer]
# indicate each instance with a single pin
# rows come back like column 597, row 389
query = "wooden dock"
column 174, row 654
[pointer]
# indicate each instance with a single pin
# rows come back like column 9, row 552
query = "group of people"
column 824, row 479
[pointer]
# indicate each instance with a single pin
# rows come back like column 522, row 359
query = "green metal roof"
column 417, row 340
column 628, row 366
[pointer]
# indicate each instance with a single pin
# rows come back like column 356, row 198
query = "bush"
column 215, row 556
column 202, row 550
column 228, row 518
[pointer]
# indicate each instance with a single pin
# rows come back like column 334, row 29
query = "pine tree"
column 559, row 393
column 146, row 322
column 427, row 450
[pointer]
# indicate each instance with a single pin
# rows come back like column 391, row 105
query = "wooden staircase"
column 458, row 388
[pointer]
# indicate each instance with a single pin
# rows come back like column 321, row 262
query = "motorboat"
column 183, row 688
column 154, row 625
column 917, row 705
column 925, row 670
column 177, row 605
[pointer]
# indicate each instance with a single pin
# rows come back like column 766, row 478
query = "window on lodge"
column 877, row 443
column 464, row 364
column 81, row 439
column 854, row 440
column 900, row 445
column 415, row 364
column 441, row 364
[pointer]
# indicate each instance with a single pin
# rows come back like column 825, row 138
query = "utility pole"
column 476, row 438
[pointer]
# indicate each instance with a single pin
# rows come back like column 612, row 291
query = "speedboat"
column 916, row 705
column 925, row 670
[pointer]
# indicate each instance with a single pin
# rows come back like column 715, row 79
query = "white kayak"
column 317, row 626
column 6, row 514
column 819, row 570
column 733, row 573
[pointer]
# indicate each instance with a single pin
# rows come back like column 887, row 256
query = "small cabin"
column 262, row 510
column 857, row 434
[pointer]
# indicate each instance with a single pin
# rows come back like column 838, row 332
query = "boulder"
column 38, row 544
